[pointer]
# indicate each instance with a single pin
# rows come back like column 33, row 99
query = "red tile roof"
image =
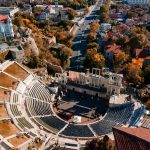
column 112, row 48
column 132, row 138
column 137, row 52
column 66, row 9
column 3, row 18
column 142, row 133
column 142, row 53
column 114, row 16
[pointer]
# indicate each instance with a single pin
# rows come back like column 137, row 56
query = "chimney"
column 87, row 72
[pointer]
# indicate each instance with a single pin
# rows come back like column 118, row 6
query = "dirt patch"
column 8, row 82
column 4, row 95
column 3, row 111
column 16, row 71
column 7, row 128
column 16, row 141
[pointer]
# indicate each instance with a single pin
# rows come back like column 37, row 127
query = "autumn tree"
column 138, row 38
column 93, row 59
column 94, row 26
column 104, row 18
column 97, row 144
column 138, row 41
column 120, row 59
column 104, row 11
column 92, row 45
column 104, row 8
column 72, row 14
column 65, row 54
column 91, row 36
column 123, row 41
column 86, row 10
column 134, row 72
column 62, row 53
column 64, row 37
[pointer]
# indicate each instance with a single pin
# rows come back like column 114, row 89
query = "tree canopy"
column 93, row 59
column 97, row 144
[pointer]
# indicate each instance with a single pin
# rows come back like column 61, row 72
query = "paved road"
column 80, row 38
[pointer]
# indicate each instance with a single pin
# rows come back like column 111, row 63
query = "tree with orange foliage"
column 64, row 37
column 71, row 14
column 120, row 59
column 91, row 36
column 100, row 144
column 94, row 26
column 134, row 72
column 93, row 59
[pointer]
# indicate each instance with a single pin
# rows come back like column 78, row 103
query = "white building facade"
column 92, row 83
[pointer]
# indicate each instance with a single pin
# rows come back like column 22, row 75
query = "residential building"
column 41, row 16
column 17, row 52
column 10, row 11
column 144, row 54
column 132, row 138
column 64, row 13
column 10, row 2
column 27, row 8
column 111, row 50
column 4, row 47
column 105, row 27
column 139, row 2
column 6, row 28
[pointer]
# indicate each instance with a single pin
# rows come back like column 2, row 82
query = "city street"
column 80, row 37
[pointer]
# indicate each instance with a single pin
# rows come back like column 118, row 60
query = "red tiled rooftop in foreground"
column 138, row 132
column 132, row 138
column 3, row 18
